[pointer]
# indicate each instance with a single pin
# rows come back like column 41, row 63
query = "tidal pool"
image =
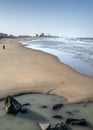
column 40, row 111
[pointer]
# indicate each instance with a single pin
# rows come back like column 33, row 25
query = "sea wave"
column 69, row 51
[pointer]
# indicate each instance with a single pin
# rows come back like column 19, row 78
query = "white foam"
column 71, row 53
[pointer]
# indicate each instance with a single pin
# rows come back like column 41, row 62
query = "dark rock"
column 57, row 106
column 59, row 126
column 43, row 106
column 58, row 117
column 69, row 112
column 26, row 104
column 78, row 122
column 24, row 110
column 12, row 106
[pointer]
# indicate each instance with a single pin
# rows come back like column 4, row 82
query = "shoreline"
column 84, row 68
column 40, row 74
column 29, row 93
column 59, row 61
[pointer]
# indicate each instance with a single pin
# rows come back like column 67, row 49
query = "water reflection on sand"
column 40, row 110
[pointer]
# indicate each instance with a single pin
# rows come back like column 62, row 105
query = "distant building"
column 42, row 35
column 24, row 36
column 36, row 35
column 2, row 35
column 11, row 36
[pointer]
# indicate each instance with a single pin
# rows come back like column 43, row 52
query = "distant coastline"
column 4, row 35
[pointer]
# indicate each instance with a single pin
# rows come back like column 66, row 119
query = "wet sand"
column 40, row 110
column 26, row 70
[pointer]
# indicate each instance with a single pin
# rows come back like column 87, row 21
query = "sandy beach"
column 26, row 70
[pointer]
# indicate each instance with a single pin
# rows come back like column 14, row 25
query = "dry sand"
column 27, row 70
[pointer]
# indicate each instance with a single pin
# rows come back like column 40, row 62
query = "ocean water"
column 75, row 53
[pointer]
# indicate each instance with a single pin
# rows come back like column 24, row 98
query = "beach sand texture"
column 27, row 70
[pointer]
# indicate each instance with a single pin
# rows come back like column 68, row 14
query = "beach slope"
column 26, row 70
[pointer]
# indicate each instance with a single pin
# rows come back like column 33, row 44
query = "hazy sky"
column 69, row 18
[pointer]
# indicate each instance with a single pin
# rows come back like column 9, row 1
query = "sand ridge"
column 25, row 70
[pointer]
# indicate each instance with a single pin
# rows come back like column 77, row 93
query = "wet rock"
column 26, row 104
column 44, row 126
column 43, row 106
column 24, row 110
column 58, row 117
column 57, row 106
column 70, row 113
column 78, row 122
column 59, row 126
column 13, row 106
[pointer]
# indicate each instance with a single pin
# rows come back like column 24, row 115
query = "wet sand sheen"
column 38, row 114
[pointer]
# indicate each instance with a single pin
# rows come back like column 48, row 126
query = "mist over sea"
column 78, row 54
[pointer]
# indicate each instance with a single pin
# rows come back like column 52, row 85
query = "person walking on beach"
column 3, row 47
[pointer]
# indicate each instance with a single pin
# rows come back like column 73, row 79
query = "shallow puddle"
column 40, row 110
